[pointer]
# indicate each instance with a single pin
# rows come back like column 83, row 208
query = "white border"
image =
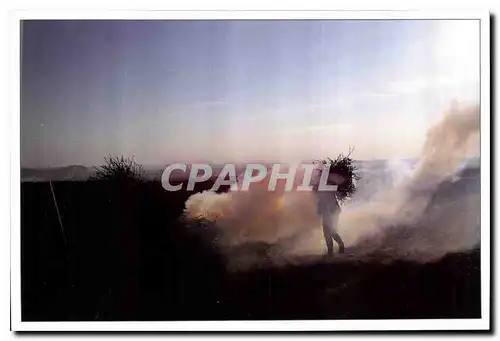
column 319, row 325
column 250, row 14
column 485, row 171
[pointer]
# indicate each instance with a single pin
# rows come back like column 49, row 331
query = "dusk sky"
column 220, row 91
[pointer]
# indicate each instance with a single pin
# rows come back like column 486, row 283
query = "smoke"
column 420, row 211
column 256, row 215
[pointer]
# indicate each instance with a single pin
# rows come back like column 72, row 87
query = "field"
column 126, row 256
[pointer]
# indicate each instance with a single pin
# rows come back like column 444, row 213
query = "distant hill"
column 82, row 173
column 67, row 173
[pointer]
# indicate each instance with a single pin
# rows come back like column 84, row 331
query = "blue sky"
column 222, row 91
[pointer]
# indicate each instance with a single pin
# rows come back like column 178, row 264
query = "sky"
column 239, row 91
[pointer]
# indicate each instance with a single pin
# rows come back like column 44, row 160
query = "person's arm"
column 340, row 195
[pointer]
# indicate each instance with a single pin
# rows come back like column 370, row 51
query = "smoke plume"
column 416, row 211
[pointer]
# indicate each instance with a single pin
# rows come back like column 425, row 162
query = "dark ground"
column 127, row 257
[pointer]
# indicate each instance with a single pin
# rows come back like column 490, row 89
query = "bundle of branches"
column 343, row 166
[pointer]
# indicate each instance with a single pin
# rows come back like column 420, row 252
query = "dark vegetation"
column 344, row 166
column 127, row 256
column 119, row 169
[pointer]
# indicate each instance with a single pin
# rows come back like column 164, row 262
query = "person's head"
column 334, row 177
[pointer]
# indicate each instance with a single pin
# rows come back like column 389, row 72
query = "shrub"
column 119, row 168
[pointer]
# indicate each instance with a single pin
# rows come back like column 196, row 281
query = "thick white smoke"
column 416, row 214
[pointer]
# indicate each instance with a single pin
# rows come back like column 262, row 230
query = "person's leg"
column 335, row 234
column 339, row 241
column 327, row 232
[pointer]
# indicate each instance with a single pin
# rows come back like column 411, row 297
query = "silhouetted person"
column 329, row 210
